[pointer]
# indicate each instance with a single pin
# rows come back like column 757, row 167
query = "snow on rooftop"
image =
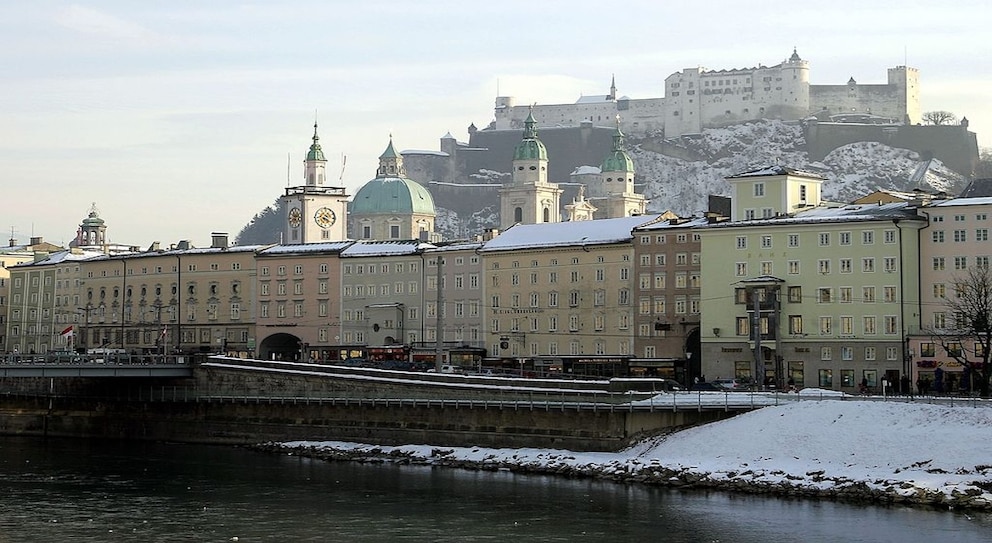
column 406, row 152
column 775, row 170
column 325, row 247
column 581, row 170
column 385, row 248
column 563, row 234
column 977, row 201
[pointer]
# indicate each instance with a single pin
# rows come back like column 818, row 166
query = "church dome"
column 618, row 160
column 530, row 148
column 93, row 219
column 392, row 195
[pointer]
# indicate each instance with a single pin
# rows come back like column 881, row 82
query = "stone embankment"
column 632, row 471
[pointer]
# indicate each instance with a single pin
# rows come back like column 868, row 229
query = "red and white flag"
column 68, row 332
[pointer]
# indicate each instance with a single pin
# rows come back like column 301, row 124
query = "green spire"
column 315, row 152
column 530, row 148
column 618, row 160
column 389, row 152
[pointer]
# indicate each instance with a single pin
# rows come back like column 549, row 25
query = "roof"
column 567, row 234
column 392, row 195
column 847, row 213
column 62, row 256
column 327, row 247
column 315, row 152
column 618, row 160
column 692, row 222
column 769, row 171
column 975, row 201
column 385, row 248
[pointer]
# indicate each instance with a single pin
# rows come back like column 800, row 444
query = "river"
column 79, row 491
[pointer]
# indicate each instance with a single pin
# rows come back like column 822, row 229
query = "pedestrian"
column 792, row 384
column 864, row 385
column 905, row 387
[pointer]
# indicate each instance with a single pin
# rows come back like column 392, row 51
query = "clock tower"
column 315, row 211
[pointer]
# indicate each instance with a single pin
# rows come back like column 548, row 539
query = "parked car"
column 729, row 384
column 707, row 387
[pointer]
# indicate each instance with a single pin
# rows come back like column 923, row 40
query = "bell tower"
column 315, row 211
column 529, row 198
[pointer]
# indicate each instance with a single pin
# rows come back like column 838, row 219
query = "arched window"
column 518, row 214
column 547, row 215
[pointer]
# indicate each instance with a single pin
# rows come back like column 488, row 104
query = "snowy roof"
column 586, row 170
column 406, row 152
column 847, row 213
column 457, row 246
column 385, row 248
column 565, row 234
column 978, row 201
column 327, row 247
column 593, row 98
column 769, row 171
column 63, row 256
column 685, row 223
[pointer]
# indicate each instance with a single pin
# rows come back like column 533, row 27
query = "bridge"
column 96, row 366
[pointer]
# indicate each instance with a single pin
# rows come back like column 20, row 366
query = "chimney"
column 35, row 240
column 218, row 240
column 183, row 245
column 154, row 247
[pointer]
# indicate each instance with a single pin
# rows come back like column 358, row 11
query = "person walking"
column 905, row 387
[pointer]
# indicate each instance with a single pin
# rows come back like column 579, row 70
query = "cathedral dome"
column 530, row 148
column 618, row 160
column 392, row 195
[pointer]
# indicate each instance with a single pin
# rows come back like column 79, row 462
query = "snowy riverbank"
column 891, row 452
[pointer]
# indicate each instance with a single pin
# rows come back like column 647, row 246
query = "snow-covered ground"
column 893, row 451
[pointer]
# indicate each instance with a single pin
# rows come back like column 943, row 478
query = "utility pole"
column 759, row 364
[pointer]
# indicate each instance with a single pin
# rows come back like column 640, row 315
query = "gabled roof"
column 567, row 234
column 769, row 171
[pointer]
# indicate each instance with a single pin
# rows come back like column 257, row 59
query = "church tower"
column 617, row 183
column 315, row 212
column 529, row 198
column 92, row 233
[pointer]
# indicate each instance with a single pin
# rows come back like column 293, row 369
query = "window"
column 868, row 264
column 844, row 238
column 867, row 237
column 742, row 242
column 759, row 189
column 891, row 324
column 824, row 266
column 795, row 294
column 847, row 325
column 939, row 290
column 938, row 263
column 868, row 294
column 823, row 295
column 960, row 262
column 826, row 378
column 889, row 264
column 793, row 267
column 826, row 326
column 982, row 234
column 889, row 294
column 743, row 326
column 845, row 295
column 766, row 242
column 793, row 240
column 937, row 236
column 868, row 323
column 824, row 239
column 889, row 236
column 847, row 353
column 741, row 269
column 766, row 268
column 826, row 353
column 960, row 236
column 795, row 324
column 845, row 265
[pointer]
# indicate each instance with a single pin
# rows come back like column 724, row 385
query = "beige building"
column 956, row 240
column 299, row 302
column 560, row 296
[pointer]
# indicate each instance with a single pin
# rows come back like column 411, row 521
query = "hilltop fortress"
column 697, row 98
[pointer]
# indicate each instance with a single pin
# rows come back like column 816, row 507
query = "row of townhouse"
column 789, row 288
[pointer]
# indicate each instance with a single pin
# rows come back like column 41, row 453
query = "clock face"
column 324, row 217
column 295, row 217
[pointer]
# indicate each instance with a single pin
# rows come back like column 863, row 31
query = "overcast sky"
column 181, row 118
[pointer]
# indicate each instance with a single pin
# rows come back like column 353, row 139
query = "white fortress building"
column 697, row 98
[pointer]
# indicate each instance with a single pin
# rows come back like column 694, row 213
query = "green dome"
column 530, row 148
column 618, row 160
column 392, row 195
column 315, row 152
column 93, row 220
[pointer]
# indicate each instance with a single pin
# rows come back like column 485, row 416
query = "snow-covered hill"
column 682, row 185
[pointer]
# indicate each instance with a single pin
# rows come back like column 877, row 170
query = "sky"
column 818, row 442
column 178, row 119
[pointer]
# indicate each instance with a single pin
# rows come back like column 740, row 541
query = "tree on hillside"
column 967, row 336
column 939, row 117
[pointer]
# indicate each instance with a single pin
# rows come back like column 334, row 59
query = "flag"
column 165, row 330
column 68, row 332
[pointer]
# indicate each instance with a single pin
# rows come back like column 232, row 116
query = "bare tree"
column 967, row 337
column 939, row 117
column 984, row 168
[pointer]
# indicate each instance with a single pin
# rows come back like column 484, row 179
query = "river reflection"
column 75, row 490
